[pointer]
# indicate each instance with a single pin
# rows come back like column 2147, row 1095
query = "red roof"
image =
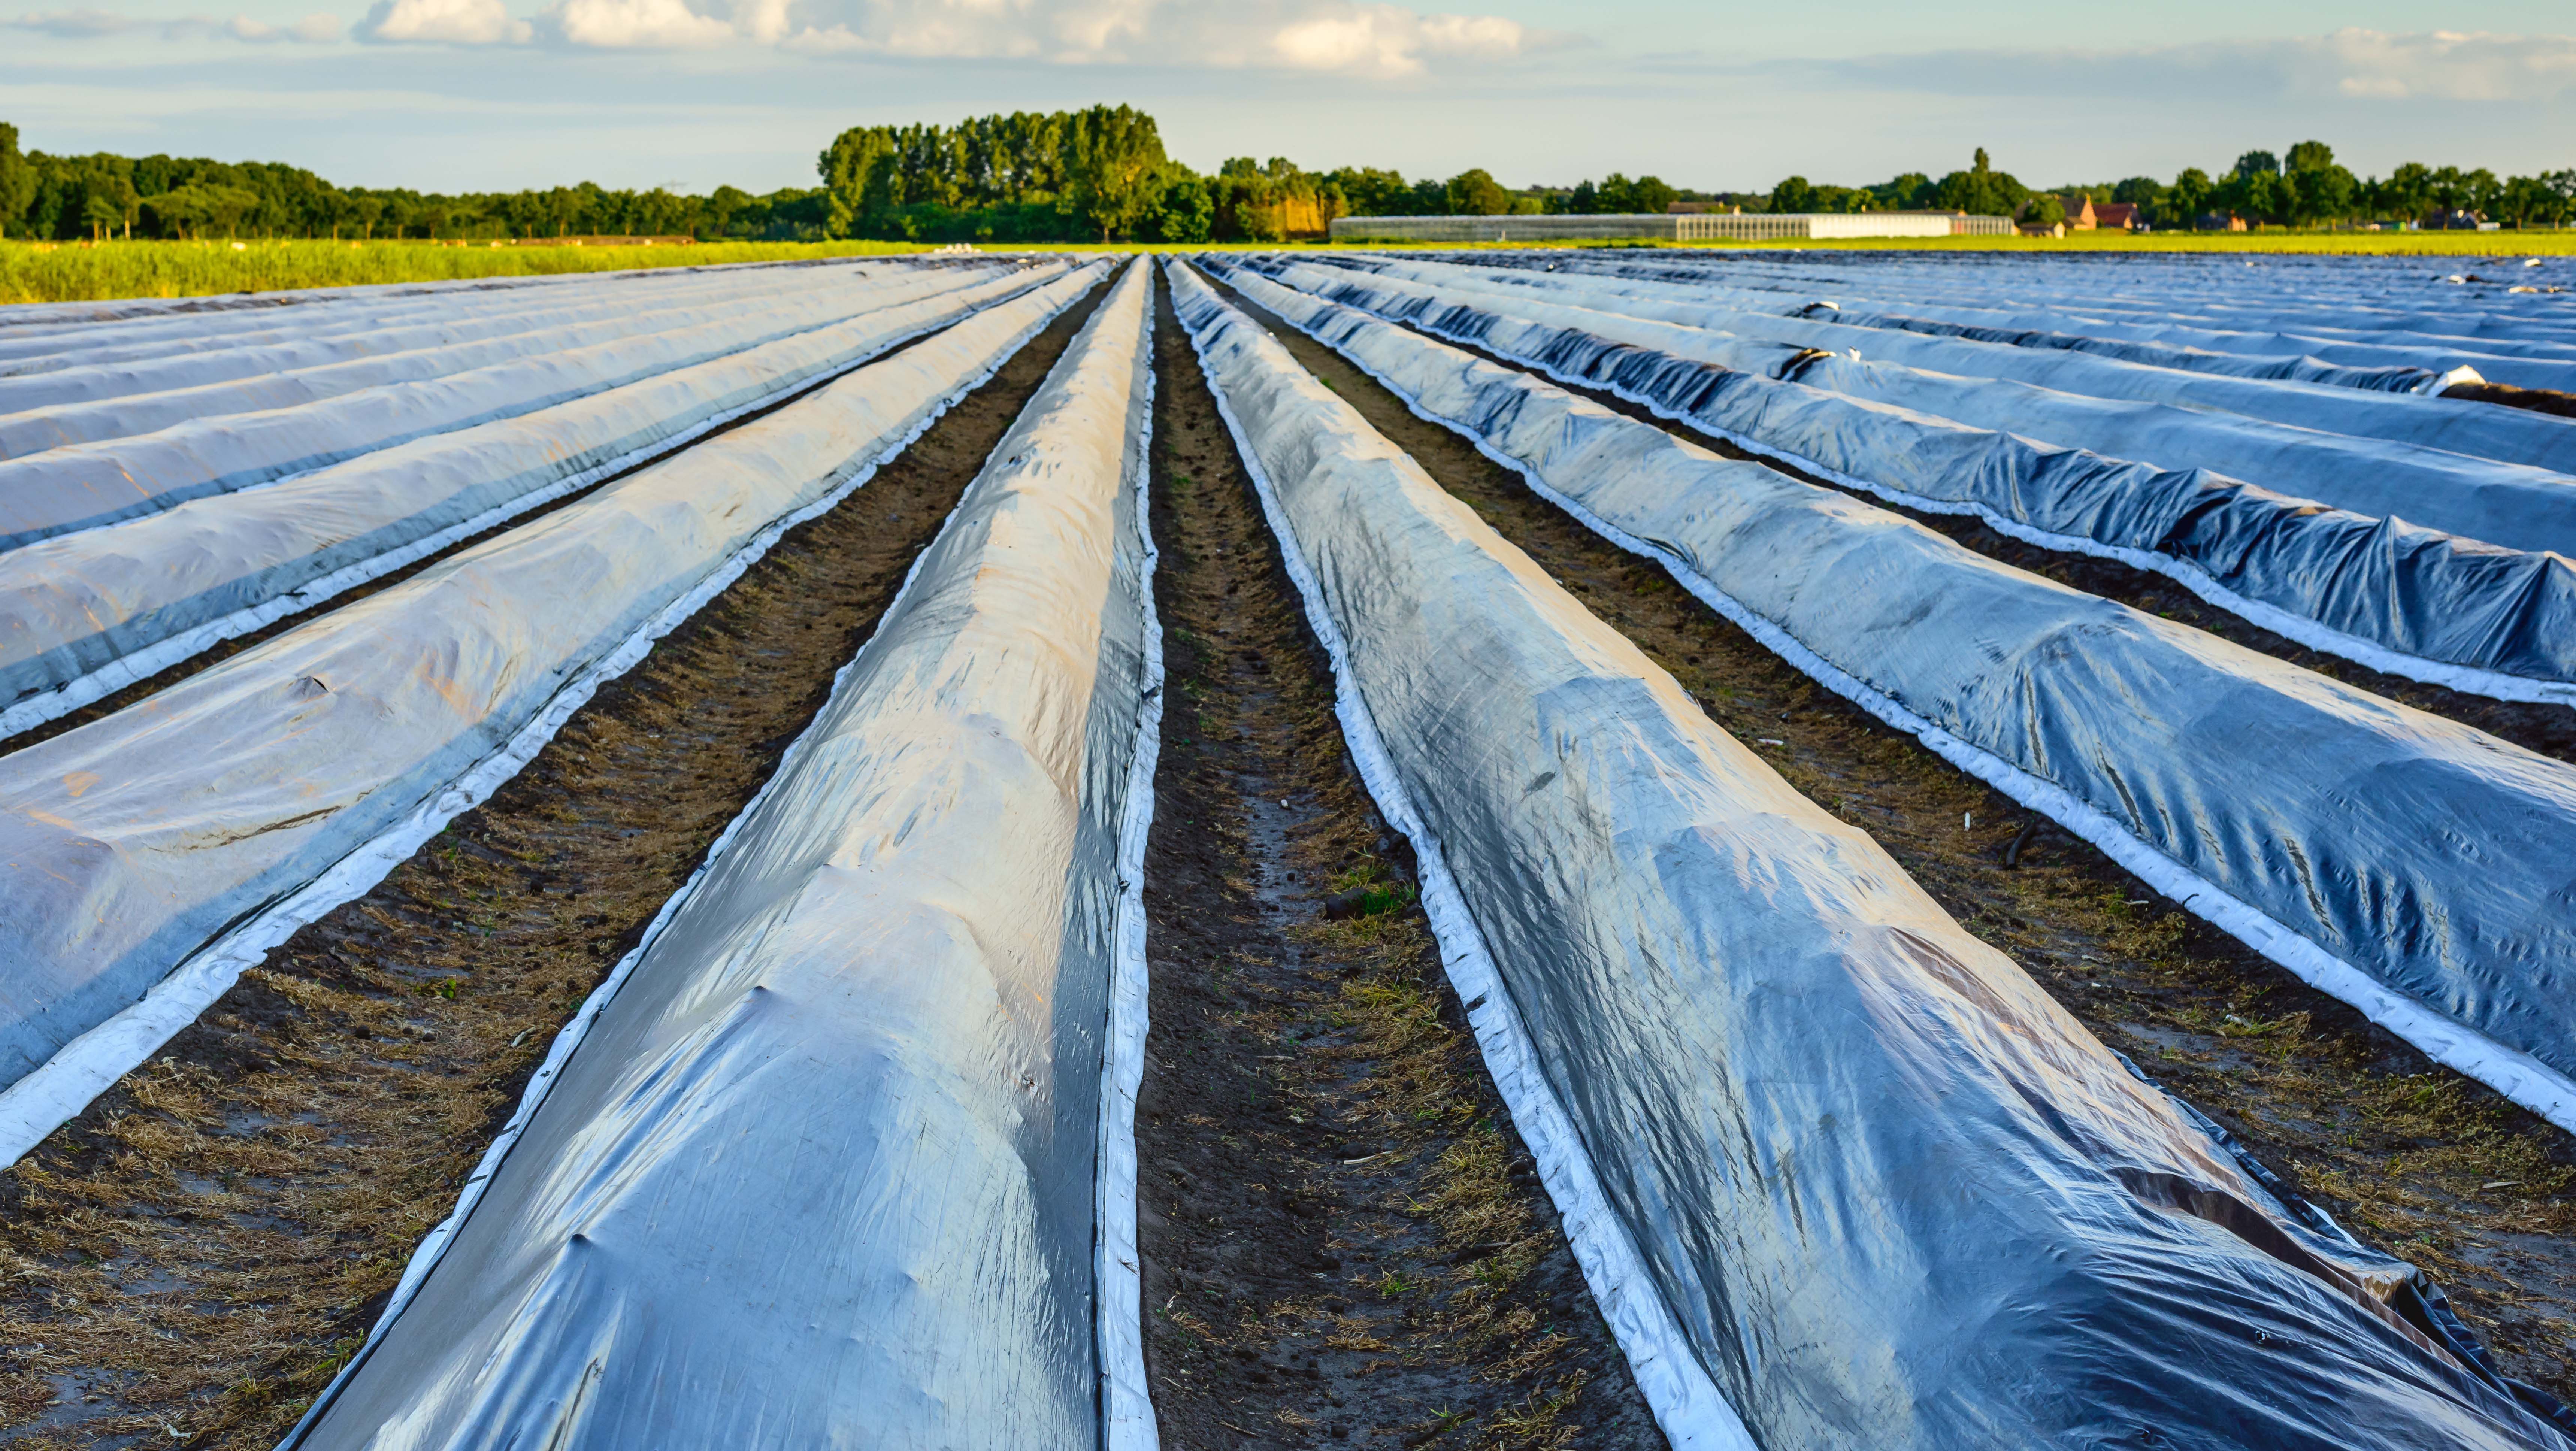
column 2116, row 214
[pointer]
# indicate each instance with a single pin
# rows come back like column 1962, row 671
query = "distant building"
column 2034, row 229
column 2456, row 220
column 2219, row 222
column 1669, row 227
column 2119, row 217
column 2080, row 216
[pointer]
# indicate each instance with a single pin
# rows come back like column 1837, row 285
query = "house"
column 2053, row 229
column 2219, row 222
column 2456, row 220
column 2119, row 216
column 2080, row 216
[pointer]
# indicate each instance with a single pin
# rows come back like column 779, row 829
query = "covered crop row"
column 846, row 1144
column 83, row 485
column 1839, row 1172
column 150, row 855
column 84, row 614
column 2474, row 429
column 277, row 368
column 2350, row 580
column 2137, row 734
column 2271, row 306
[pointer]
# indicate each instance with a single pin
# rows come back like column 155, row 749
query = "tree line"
column 2305, row 188
column 1102, row 174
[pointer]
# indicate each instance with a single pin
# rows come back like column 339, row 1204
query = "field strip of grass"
column 79, row 272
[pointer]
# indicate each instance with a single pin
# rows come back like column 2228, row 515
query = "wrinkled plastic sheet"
column 84, row 614
column 2480, row 430
column 1892, row 1194
column 100, row 399
column 85, row 485
column 823, row 1170
column 38, row 326
column 2097, row 307
column 2155, row 740
column 199, row 827
column 2393, row 595
column 2027, row 329
column 2413, row 299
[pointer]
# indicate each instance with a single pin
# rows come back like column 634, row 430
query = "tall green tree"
column 1116, row 158
column 1981, row 190
column 2187, row 199
column 1475, row 193
column 17, row 178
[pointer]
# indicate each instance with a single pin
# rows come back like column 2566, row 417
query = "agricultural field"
column 1712, row 847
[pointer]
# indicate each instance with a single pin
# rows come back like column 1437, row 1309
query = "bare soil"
column 1345, row 1242
column 188, row 1262
column 2407, row 1154
column 2538, row 400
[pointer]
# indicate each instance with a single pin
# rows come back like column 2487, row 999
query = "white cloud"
column 763, row 20
column 72, row 24
column 2443, row 65
column 1338, row 36
column 444, row 22
column 636, row 25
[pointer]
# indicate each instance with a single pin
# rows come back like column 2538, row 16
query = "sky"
column 499, row 94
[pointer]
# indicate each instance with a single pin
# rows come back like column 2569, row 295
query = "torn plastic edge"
column 59, row 1089
column 34, row 710
column 1693, row 1413
column 2446, row 381
column 2509, row 1071
column 1118, row 1289
column 2468, row 679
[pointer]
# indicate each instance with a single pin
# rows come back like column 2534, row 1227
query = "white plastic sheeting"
column 83, row 486
column 2480, row 430
column 84, row 614
column 2043, row 330
column 2148, row 737
column 825, row 1169
column 2389, row 594
column 2091, row 307
column 1885, row 1190
column 2389, row 299
column 200, row 827
column 100, row 401
column 31, row 329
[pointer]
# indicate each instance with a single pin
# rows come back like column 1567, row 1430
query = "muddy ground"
column 1345, row 1242
column 188, row 1262
column 2409, row 1155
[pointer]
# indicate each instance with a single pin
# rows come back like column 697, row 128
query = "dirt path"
column 1345, row 1242
column 2409, row 1155
column 187, row 1263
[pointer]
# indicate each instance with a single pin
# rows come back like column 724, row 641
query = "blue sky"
column 457, row 94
